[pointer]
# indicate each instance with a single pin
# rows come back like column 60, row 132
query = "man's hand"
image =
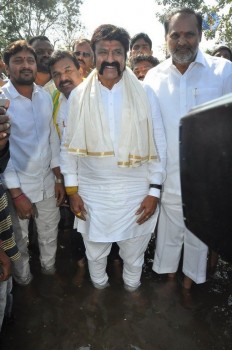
column 4, row 127
column 59, row 186
column 59, row 194
column 147, row 209
column 5, row 266
column 24, row 207
column 77, row 206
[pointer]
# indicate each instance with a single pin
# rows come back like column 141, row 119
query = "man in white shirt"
column 109, row 153
column 33, row 175
column 65, row 72
column 84, row 54
column 188, row 78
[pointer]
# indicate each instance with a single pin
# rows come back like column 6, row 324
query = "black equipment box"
column 206, row 173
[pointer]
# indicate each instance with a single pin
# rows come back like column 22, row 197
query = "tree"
column 218, row 16
column 70, row 26
column 23, row 19
column 180, row 3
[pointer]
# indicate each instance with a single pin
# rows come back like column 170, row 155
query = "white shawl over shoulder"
column 88, row 134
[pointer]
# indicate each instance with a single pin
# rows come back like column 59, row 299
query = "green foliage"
column 69, row 22
column 23, row 19
column 196, row 4
column 224, row 30
column 223, row 8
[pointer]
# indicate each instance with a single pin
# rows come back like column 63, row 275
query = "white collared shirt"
column 207, row 78
column 34, row 143
column 62, row 114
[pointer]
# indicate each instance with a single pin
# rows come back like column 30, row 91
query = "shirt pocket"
column 203, row 95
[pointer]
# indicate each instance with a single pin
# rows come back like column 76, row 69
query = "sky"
column 134, row 15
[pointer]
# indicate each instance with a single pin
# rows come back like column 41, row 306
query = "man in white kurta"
column 115, row 202
column 66, row 73
column 188, row 78
column 30, row 174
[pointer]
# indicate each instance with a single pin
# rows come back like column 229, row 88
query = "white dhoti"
column 111, row 207
column 172, row 234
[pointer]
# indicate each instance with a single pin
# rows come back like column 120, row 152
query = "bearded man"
column 32, row 175
column 187, row 79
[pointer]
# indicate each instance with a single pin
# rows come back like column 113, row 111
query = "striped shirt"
column 7, row 240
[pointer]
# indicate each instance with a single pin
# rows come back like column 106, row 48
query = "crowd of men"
column 80, row 129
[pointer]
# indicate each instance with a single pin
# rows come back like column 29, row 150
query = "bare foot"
column 186, row 298
column 171, row 276
column 187, row 283
column 213, row 261
column 80, row 273
column 81, row 262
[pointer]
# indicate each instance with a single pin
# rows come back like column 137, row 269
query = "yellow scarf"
column 56, row 107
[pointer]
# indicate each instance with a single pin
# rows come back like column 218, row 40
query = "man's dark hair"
column 38, row 37
column 222, row 47
column 110, row 32
column 140, row 58
column 143, row 36
column 16, row 47
column 184, row 11
column 59, row 55
column 80, row 41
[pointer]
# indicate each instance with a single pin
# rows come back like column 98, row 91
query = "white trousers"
column 131, row 251
column 171, row 236
column 46, row 219
column 5, row 299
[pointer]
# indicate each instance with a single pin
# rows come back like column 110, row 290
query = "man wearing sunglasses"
column 82, row 50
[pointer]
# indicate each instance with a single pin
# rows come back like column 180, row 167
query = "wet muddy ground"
column 56, row 314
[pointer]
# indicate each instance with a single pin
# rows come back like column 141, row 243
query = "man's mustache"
column 63, row 82
column 108, row 64
column 180, row 48
column 80, row 60
column 26, row 71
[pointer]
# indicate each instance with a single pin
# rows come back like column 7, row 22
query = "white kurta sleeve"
column 157, row 170
column 68, row 165
column 10, row 178
column 55, row 146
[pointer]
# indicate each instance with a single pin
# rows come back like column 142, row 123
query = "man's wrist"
column 4, row 149
column 154, row 192
column 70, row 190
column 59, row 180
column 14, row 192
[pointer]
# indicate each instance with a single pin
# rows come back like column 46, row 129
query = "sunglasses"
column 84, row 54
